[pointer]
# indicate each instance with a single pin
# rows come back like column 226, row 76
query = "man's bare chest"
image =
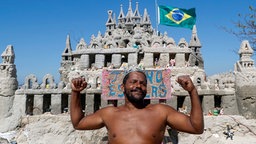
column 136, row 122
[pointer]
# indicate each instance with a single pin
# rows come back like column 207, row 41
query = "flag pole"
column 156, row 7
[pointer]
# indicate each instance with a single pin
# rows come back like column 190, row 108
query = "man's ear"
column 122, row 87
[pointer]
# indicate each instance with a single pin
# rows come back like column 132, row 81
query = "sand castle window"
column 64, row 103
column 108, row 59
column 97, row 102
column 83, row 101
column 217, row 101
column 30, row 84
column 112, row 102
column 91, row 59
column 180, row 101
column 29, row 104
column 46, row 103
column 156, row 59
column 124, row 58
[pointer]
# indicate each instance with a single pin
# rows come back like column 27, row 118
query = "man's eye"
column 144, row 84
column 133, row 82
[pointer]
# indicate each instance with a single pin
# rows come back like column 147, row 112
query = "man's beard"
column 134, row 99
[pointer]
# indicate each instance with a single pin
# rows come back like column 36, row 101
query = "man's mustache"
column 137, row 90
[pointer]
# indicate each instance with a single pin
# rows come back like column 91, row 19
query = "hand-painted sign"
column 158, row 86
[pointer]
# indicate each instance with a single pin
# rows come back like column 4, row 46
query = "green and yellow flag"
column 177, row 17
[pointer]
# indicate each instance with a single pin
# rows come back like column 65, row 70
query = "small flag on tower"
column 176, row 17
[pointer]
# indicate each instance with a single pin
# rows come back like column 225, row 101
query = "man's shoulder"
column 159, row 106
column 156, row 105
column 108, row 108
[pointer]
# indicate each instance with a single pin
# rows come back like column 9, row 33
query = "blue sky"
column 37, row 29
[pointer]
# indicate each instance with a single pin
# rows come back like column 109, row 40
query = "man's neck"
column 134, row 106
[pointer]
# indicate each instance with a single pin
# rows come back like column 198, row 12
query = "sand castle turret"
column 8, row 80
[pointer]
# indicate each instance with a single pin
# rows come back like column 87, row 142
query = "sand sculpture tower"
column 246, row 81
column 8, row 80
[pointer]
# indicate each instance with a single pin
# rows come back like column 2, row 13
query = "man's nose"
column 138, row 85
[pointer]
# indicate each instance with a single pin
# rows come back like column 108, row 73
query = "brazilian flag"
column 177, row 17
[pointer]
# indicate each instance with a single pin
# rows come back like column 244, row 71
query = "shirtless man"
column 134, row 122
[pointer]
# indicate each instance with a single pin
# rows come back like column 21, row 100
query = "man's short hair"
column 128, row 74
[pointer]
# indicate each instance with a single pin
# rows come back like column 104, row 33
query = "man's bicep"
column 90, row 122
column 179, row 121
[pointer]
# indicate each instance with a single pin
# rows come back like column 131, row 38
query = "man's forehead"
column 137, row 74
